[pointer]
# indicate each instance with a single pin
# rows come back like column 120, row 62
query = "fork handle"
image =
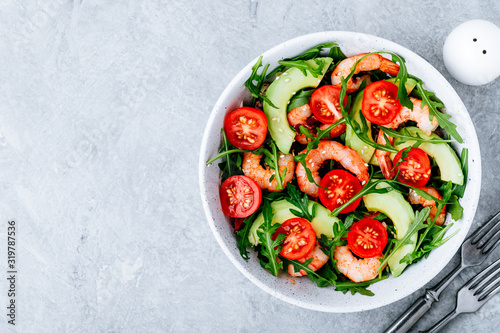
column 442, row 323
column 412, row 315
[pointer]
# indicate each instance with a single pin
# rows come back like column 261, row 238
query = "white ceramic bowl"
column 304, row 293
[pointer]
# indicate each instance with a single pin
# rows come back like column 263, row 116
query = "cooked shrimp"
column 358, row 270
column 329, row 150
column 416, row 199
column 251, row 168
column 299, row 115
column 384, row 157
column 371, row 62
column 319, row 259
column 418, row 115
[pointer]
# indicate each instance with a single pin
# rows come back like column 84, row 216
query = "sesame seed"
column 287, row 80
column 364, row 182
column 278, row 120
column 281, row 131
column 277, row 77
column 293, row 92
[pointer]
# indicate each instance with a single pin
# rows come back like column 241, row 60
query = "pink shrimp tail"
column 389, row 67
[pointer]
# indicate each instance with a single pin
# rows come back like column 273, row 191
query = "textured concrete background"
column 102, row 106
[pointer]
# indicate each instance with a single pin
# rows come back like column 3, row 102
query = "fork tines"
column 486, row 236
column 485, row 285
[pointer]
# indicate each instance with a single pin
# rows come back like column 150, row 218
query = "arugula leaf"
column 242, row 235
column 429, row 98
column 464, row 158
column 429, row 240
column 336, row 53
column 358, row 287
column 405, row 136
column 417, row 225
column 228, row 167
column 255, row 89
column 304, row 67
column 301, row 203
column 270, row 248
column 454, row 208
column 309, row 54
column 299, row 99
column 402, row 77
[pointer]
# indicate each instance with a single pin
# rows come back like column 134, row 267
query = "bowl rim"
column 228, row 91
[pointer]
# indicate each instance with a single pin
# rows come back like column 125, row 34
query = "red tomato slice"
column 300, row 238
column 240, row 196
column 246, row 128
column 367, row 238
column 415, row 169
column 342, row 186
column 380, row 103
column 325, row 104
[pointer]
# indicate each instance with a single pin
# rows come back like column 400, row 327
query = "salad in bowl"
column 339, row 169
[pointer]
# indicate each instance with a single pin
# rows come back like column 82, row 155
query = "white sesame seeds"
column 366, row 164
column 277, row 77
column 274, row 119
column 364, row 182
column 281, row 130
column 285, row 73
column 319, row 81
column 287, row 80
column 290, row 137
column 310, row 160
column 293, row 92
column 278, row 120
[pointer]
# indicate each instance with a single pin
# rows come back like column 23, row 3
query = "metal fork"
column 474, row 294
column 474, row 251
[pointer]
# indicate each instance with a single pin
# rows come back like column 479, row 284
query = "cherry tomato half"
column 240, row 196
column 415, row 169
column 342, row 186
column 325, row 104
column 246, row 128
column 367, row 238
column 300, row 238
column 380, row 103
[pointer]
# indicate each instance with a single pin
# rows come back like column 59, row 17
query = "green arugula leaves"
column 270, row 248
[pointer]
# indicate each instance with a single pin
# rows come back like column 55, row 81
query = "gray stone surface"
column 102, row 106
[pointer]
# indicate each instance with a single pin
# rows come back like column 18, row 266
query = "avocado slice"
column 280, row 91
column 364, row 150
column 394, row 205
column 445, row 157
column 322, row 222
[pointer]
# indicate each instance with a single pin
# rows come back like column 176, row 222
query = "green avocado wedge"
column 280, row 91
column 442, row 153
column 322, row 222
column 394, row 205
